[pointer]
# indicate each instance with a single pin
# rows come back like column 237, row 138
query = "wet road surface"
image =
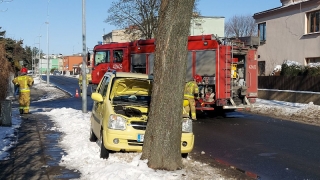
column 261, row 146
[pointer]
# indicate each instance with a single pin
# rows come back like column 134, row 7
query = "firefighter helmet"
column 23, row 70
column 197, row 78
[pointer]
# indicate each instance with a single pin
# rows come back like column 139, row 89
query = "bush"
column 5, row 69
column 311, row 71
column 291, row 70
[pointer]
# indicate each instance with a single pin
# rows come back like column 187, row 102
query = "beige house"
column 121, row 35
column 199, row 26
column 289, row 32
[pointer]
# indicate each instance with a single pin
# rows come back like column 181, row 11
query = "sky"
column 26, row 19
column 125, row 165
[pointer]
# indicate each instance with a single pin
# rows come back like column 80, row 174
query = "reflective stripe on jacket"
column 24, row 82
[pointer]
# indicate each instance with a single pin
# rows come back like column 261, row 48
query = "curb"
column 247, row 173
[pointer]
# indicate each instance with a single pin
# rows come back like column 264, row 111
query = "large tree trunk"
column 162, row 145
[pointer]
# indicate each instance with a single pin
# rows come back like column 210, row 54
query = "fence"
column 298, row 89
column 294, row 83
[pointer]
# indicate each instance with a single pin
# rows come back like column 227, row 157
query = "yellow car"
column 120, row 114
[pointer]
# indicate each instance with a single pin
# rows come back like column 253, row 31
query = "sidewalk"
column 36, row 154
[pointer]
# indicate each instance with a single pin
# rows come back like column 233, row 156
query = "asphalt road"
column 260, row 146
column 70, row 85
column 267, row 147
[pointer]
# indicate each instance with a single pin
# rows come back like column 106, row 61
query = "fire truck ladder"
column 228, row 75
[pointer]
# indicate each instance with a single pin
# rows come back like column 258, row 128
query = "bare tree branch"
column 142, row 15
column 240, row 26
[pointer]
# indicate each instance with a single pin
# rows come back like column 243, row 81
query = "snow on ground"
column 83, row 155
column 306, row 113
column 55, row 93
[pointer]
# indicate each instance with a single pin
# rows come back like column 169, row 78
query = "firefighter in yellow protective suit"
column 80, row 82
column 24, row 82
column 191, row 91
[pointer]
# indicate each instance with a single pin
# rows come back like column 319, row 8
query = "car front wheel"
column 93, row 137
column 104, row 153
column 184, row 155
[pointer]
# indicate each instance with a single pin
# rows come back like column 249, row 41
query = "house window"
column 261, row 68
column 262, row 31
column 313, row 21
column 313, row 60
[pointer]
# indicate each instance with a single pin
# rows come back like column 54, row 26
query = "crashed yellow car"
column 120, row 114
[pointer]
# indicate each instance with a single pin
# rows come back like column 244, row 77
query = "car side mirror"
column 97, row 97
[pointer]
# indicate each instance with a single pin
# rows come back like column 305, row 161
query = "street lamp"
column 34, row 57
column 84, row 63
column 48, row 70
column 48, row 64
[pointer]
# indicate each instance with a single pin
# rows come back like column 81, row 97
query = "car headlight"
column 117, row 122
column 187, row 125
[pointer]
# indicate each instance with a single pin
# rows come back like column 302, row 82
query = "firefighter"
column 191, row 91
column 80, row 82
column 24, row 82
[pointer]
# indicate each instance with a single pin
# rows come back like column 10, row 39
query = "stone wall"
column 290, row 96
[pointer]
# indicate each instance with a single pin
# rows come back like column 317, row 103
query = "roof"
column 277, row 9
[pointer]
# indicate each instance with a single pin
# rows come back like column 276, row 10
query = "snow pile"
column 83, row 155
column 314, row 64
column 53, row 91
column 291, row 63
column 277, row 68
column 8, row 138
column 305, row 113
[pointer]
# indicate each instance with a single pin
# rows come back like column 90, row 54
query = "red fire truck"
column 228, row 69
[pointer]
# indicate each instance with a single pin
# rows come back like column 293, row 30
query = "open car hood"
column 131, row 86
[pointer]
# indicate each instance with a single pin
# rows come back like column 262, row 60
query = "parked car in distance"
column 30, row 72
column 120, row 114
column 56, row 73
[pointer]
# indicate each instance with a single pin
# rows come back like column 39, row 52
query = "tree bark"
column 162, row 145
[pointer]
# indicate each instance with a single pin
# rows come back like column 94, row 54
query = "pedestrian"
column 24, row 82
column 80, row 82
column 191, row 91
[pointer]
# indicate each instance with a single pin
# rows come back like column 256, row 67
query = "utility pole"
column 48, row 65
column 39, row 62
column 84, row 59
column 34, row 56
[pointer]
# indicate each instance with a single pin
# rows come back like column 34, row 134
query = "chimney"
column 289, row 2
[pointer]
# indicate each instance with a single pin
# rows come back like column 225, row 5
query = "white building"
column 207, row 25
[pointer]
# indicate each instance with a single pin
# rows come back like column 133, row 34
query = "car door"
column 97, row 110
column 106, row 103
